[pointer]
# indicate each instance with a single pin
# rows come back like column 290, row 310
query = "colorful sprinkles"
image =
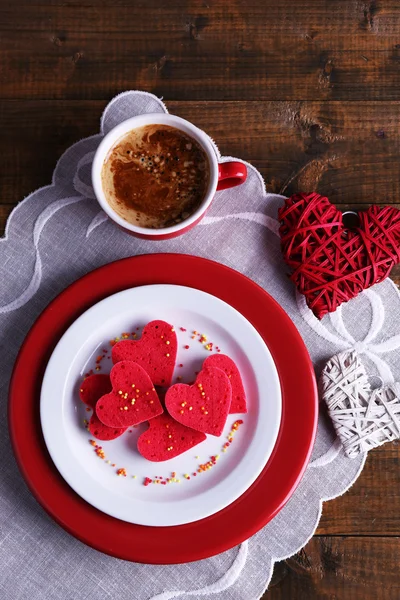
column 202, row 467
column 202, row 338
column 231, row 434
column 123, row 336
column 160, row 480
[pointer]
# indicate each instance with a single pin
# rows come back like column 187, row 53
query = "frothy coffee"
column 155, row 176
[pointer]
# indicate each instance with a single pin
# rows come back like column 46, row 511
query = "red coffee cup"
column 221, row 175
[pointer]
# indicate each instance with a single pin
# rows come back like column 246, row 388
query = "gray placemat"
column 57, row 235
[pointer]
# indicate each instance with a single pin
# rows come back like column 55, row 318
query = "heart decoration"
column 166, row 438
column 203, row 406
column 155, row 352
column 132, row 400
column 221, row 361
column 127, row 397
column 363, row 418
column 332, row 263
column 91, row 389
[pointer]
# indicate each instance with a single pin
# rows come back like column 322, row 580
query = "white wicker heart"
column 363, row 418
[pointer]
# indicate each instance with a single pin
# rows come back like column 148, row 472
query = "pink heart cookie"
column 133, row 398
column 221, row 361
column 155, row 352
column 165, row 439
column 203, row 406
column 91, row 389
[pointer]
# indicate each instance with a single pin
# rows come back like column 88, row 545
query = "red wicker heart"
column 331, row 263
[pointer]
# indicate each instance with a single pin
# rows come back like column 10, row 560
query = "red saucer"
column 245, row 516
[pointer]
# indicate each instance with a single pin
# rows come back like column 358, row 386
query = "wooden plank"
column 346, row 150
column 372, row 505
column 356, row 568
column 5, row 210
column 326, row 20
column 323, row 50
column 33, row 137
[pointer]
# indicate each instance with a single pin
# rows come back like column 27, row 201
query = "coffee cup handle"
column 231, row 174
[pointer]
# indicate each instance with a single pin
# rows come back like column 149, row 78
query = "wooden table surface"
column 306, row 90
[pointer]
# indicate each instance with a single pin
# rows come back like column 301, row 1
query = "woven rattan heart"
column 363, row 418
column 331, row 263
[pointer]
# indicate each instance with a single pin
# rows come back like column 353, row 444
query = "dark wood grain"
column 348, row 151
column 281, row 50
column 339, row 568
column 306, row 91
column 34, row 135
column 5, row 210
column 372, row 505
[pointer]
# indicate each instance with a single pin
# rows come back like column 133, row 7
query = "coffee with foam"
column 155, row 176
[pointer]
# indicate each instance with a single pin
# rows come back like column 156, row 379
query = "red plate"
column 245, row 516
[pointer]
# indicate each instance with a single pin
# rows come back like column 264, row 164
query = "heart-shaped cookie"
column 203, row 406
column 165, row 439
column 227, row 365
column 331, row 263
column 91, row 389
column 155, row 352
column 133, row 398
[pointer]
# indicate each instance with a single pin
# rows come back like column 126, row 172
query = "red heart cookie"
column 91, row 389
column 133, row 398
column 331, row 263
column 165, row 439
column 155, row 352
column 203, row 406
column 226, row 364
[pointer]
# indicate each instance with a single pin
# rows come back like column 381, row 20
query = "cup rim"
column 147, row 119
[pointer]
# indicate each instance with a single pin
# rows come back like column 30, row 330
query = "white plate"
column 94, row 479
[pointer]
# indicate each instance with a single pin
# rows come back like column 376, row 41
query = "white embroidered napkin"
column 58, row 234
